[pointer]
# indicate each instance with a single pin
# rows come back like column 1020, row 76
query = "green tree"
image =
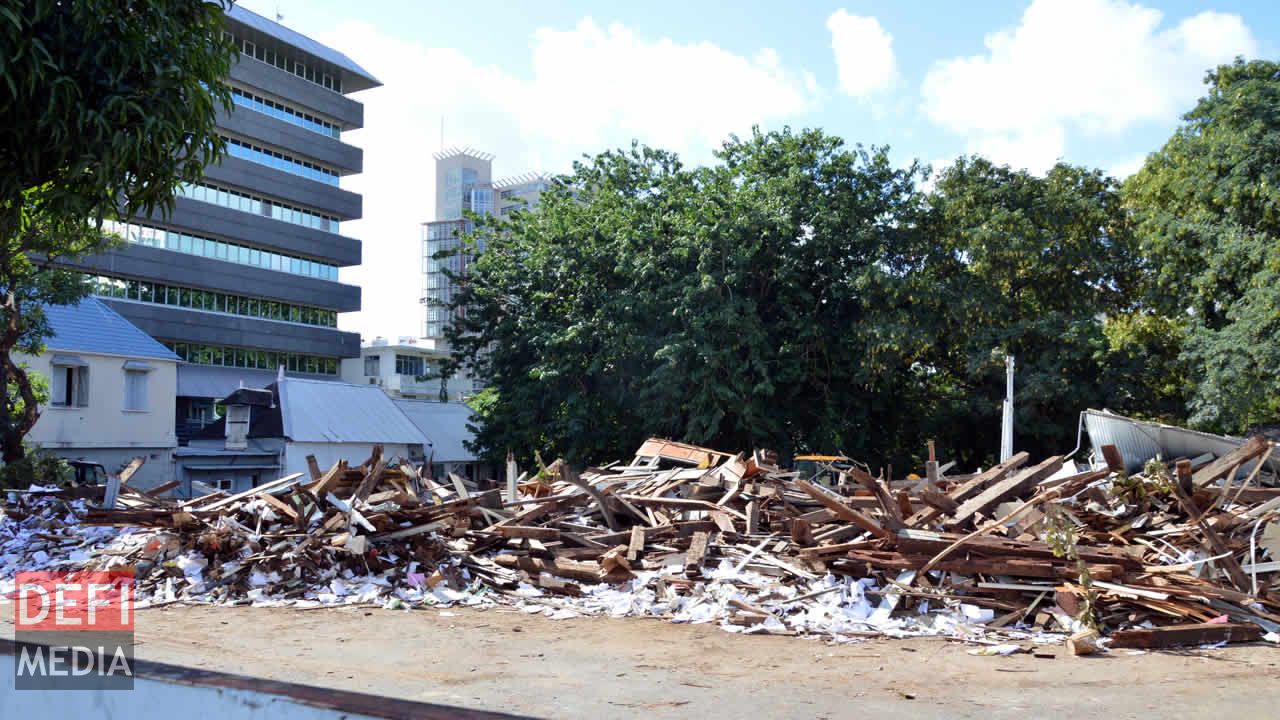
column 803, row 295
column 1033, row 266
column 1207, row 207
column 106, row 106
column 754, row 302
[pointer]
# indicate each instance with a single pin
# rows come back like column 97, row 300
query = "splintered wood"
column 1167, row 556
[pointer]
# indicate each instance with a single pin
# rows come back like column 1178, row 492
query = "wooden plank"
column 313, row 468
column 280, row 505
column 1250, row 449
column 582, row 540
column 130, row 469
column 1186, row 478
column 889, row 506
column 1115, row 461
column 801, row 532
column 327, row 481
column 459, row 485
column 1214, row 543
column 941, row 502
column 970, row 487
column 682, row 453
column 683, row 503
column 636, row 546
column 696, row 554
column 931, row 468
column 841, row 510
column 270, row 487
column 112, row 493
column 512, row 472
column 1181, row 635
column 407, row 532
column 574, row 570
column 1012, row 486
column 753, row 517
column 723, row 522
column 370, row 481
column 527, row 531
column 1018, row 567
column 166, row 487
column 904, row 504
column 929, row 542
column 571, row 476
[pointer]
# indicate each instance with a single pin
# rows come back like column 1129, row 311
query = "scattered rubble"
column 1185, row 552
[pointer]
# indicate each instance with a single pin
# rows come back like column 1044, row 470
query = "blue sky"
column 1094, row 82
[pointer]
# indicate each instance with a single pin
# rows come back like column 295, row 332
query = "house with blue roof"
column 111, row 392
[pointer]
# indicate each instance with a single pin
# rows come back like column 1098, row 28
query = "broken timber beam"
column 696, row 554
column 842, row 511
column 1012, row 486
column 1252, row 448
column 970, row 488
column 1177, row 635
column 571, row 476
column 1226, row 559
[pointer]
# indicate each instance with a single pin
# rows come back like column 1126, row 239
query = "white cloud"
column 1127, row 167
column 582, row 90
column 864, row 53
column 1096, row 66
column 1036, row 148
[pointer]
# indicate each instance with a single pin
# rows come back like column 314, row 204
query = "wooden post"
column 314, row 468
column 1185, row 477
column 931, row 468
column 513, row 494
column 1115, row 461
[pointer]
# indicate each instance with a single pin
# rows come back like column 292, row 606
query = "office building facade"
column 241, row 279
column 464, row 184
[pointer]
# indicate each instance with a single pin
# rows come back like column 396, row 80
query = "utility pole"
column 1006, row 420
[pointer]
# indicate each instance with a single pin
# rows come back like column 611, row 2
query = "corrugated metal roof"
column 1139, row 440
column 92, row 327
column 445, row 426
column 319, row 411
column 306, row 44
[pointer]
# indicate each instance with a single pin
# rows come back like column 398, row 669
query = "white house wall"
column 103, row 431
column 352, row 371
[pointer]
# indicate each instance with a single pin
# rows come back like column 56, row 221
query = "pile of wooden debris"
column 1186, row 552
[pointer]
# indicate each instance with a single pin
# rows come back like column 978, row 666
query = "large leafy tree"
column 761, row 300
column 1207, row 206
column 106, row 106
column 1043, row 268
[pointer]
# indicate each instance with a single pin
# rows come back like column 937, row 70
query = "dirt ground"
column 629, row 668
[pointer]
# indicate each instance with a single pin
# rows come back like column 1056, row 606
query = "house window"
column 70, row 383
column 135, row 390
column 224, row 484
column 237, row 427
column 372, row 365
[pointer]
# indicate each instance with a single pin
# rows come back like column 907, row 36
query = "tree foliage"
column 808, row 296
column 1207, row 206
column 1036, row 267
column 798, row 294
column 106, row 106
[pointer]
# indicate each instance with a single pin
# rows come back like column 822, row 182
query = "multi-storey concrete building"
column 407, row 368
column 242, row 278
column 464, row 183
